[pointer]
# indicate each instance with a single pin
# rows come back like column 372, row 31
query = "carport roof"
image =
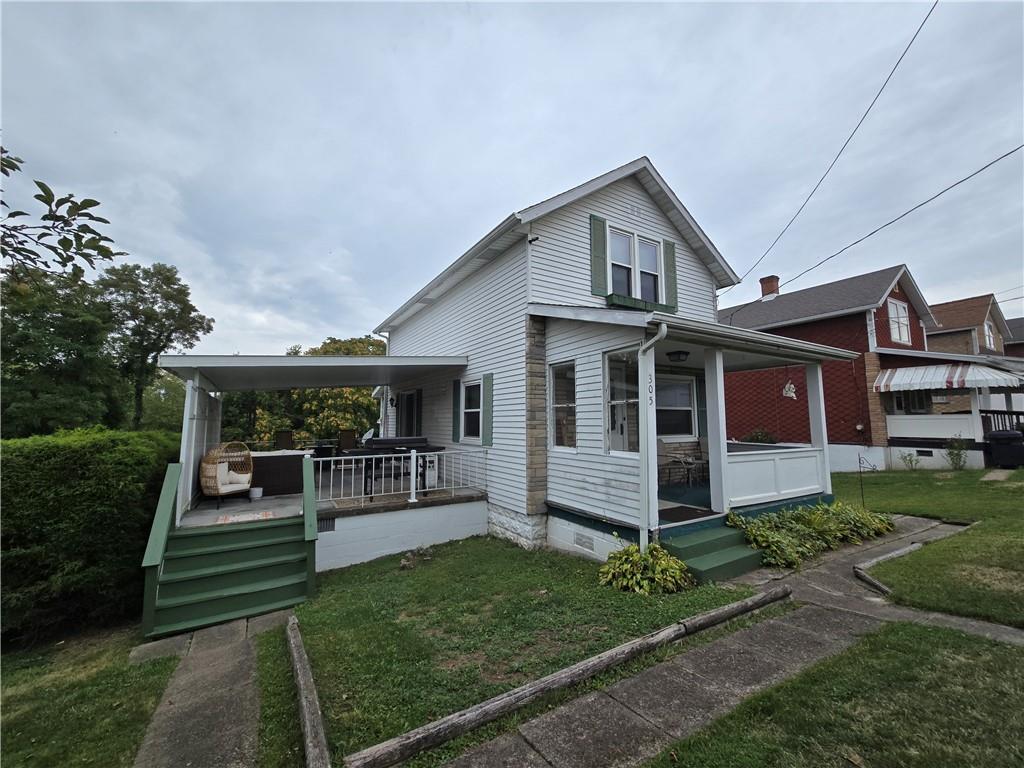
column 230, row 373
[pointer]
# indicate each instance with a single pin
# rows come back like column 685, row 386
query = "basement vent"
column 924, row 452
column 583, row 541
column 325, row 524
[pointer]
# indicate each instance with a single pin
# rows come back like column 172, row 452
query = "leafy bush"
column 956, row 453
column 759, row 435
column 652, row 572
column 77, row 511
column 788, row 538
column 910, row 460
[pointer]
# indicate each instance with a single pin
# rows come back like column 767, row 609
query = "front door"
column 408, row 415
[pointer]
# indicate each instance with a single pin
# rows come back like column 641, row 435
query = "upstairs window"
column 635, row 265
column 899, row 322
column 563, row 405
column 990, row 335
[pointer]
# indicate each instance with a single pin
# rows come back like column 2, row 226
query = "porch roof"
column 952, row 376
column 228, row 373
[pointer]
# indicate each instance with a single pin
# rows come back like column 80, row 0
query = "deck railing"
column 163, row 522
column 397, row 475
column 995, row 420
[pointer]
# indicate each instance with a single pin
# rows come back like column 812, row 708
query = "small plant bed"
column 790, row 537
column 906, row 695
column 978, row 572
column 396, row 646
column 79, row 701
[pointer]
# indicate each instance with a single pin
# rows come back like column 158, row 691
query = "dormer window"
column 635, row 264
column 990, row 335
column 899, row 322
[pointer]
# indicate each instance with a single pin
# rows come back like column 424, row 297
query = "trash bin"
column 1006, row 448
column 255, row 493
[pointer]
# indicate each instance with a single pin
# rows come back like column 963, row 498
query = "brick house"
column 975, row 326
column 1014, row 343
column 899, row 395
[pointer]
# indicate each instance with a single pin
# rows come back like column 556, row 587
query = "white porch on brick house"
column 666, row 347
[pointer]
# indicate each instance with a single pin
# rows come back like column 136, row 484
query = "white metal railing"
column 362, row 478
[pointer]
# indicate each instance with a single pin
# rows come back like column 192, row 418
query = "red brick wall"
column 754, row 399
column 1015, row 350
column 882, row 331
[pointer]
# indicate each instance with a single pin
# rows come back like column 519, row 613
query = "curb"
column 413, row 742
column 860, row 570
column 314, row 739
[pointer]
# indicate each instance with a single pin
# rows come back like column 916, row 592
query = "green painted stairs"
column 713, row 554
column 222, row 572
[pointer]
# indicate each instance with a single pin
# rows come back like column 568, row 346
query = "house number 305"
column 650, row 389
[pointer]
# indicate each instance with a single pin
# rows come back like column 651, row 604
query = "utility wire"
column 839, row 153
column 1007, row 290
column 906, row 213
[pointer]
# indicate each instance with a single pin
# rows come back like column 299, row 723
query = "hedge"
column 77, row 508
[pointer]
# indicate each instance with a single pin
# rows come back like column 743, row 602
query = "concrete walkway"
column 633, row 720
column 209, row 714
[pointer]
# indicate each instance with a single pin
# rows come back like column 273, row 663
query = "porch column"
column 714, row 384
column 648, row 447
column 979, row 429
column 185, row 456
column 816, row 411
column 1008, row 399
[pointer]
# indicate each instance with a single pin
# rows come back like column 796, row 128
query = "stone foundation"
column 528, row 531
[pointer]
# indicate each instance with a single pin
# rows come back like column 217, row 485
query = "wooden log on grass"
column 430, row 735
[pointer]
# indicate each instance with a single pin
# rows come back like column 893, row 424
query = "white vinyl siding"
column 484, row 318
column 560, row 257
column 899, row 321
column 591, row 479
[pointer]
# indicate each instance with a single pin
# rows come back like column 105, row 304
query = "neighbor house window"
column 990, row 335
column 471, row 410
column 899, row 321
column 563, row 404
column 635, row 264
column 675, row 407
column 623, row 398
column 912, row 401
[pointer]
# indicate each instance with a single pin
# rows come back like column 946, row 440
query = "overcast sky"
column 309, row 167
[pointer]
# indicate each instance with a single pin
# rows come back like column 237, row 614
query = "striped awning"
column 953, row 376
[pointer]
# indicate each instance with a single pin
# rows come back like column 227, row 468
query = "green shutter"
column 671, row 293
column 456, row 409
column 598, row 256
column 487, row 408
column 419, row 413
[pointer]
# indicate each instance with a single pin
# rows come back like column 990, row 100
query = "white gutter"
column 648, row 460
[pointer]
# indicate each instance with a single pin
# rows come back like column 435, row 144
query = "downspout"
column 645, row 365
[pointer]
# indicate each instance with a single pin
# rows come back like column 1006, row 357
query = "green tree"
column 64, row 235
column 153, row 313
column 163, row 403
column 56, row 371
column 326, row 412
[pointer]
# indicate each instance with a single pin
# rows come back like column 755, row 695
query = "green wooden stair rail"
column 163, row 521
column 309, row 519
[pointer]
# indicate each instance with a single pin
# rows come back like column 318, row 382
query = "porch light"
column 678, row 356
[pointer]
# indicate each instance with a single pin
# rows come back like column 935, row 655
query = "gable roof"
column 842, row 297
column 513, row 229
column 1016, row 326
column 969, row 313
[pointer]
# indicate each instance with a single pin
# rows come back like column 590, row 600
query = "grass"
column 79, row 702
column 904, row 696
column 280, row 735
column 977, row 573
column 395, row 648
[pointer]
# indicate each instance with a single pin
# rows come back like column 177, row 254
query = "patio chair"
column 226, row 470
column 668, row 462
column 699, row 468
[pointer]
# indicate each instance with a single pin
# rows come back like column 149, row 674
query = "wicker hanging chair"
column 226, row 470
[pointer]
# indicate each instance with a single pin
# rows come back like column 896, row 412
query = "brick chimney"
column 769, row 286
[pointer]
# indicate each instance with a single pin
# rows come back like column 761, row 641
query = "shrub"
column 956, row 453
column 910, row 460
column 77, row 511
column 652, row 572
column 759, row 435
column 788, row 538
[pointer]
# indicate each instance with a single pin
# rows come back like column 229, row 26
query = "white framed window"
column 915, row 401
column 990, row 335
column 899, row 322
column 563, row 405
column 622, row 398
column 676, row 407
column 471, row 411
column 635, row 265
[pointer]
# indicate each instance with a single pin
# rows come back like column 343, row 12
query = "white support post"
column 714, row 384
column 979, row 429
column 185, row 455
column 816, row 412
column 648, row 448
column 414, row 472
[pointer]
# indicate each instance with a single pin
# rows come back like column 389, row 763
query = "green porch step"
column 209, row 607
column 690, row 545
column 161, row 630
column 724, row 563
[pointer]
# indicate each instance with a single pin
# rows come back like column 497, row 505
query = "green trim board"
column 628, row 302
column 598, row 256
column 669, row 264
column 487, row 409
column 456, row 409
column 608, row 527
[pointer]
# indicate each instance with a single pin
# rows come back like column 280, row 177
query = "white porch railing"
column 935, row 425
column 411, row 475
column 762, row 476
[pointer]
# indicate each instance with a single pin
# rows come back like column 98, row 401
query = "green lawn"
column 904, row 696
column 79, row 702
column 978, row 572
column 393, row 649
column 280, row 733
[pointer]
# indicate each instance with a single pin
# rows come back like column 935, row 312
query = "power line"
column 1007, row 290
column 906, row 213
column 1012, row 298
column 839, row 153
